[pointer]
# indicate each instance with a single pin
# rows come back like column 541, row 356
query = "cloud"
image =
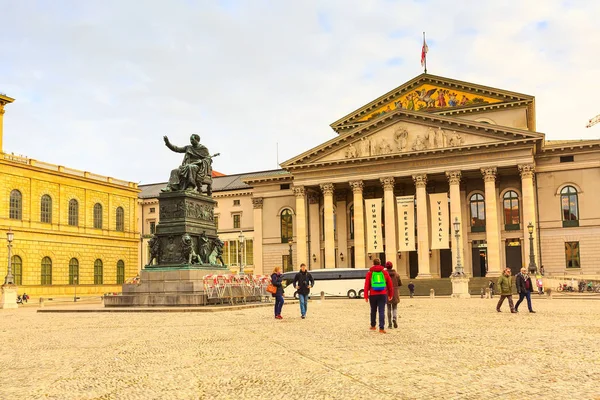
column 97, row 84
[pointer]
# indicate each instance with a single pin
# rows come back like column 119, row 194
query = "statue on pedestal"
column 195, row 169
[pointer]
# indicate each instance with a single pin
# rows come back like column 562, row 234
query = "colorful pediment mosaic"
column 429, row 97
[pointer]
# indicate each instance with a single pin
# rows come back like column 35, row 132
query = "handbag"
column 271, row 288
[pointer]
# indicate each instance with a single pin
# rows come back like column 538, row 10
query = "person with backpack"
column 303, row 281
column 392, row 305
column 378, row 290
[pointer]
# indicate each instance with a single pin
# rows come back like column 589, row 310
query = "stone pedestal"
column 460, row 287
column 9, row 295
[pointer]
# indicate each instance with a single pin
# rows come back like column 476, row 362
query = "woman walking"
column 392, row 305
column 276, row 280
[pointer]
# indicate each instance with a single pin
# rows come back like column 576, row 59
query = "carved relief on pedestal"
column 257, row 202
column 387, row 183
column 420, row 180
column 526, row 171
column 489, row 174
column 453, row 177
column 327, row 188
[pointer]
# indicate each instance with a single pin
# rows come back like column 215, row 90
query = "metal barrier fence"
column 236, row 288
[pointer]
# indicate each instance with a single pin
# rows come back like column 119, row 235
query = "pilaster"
column 455, row 214
column 257, row 212
column 527, row 172
column 342, row 231
column 301, row 233
column 492, row 229
column 359, row 224
column 422, row 226
column 314, row 221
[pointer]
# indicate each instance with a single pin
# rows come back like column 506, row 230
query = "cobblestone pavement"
column 443, row 349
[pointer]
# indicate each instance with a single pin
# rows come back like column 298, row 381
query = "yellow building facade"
column 73, row 230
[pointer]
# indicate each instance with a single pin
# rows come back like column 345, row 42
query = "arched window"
column 17, row 268
column 46, row 271
column 73, row 271
column 511, row 211
column 120, row 220
column 477, row 204
column 287, row 226
column 120, row 272
column 98, row 216
column 73, row 212
column 570, row 207
column 98, row 272
column 16, row 205
column 46, row 209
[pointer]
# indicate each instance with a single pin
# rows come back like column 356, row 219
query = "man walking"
column 378, row 290
column 505, row 288
column 303, row 281
column 524, row 288
column 411, row 289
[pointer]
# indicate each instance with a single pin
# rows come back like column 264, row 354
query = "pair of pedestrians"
column 381, row 288
column 303, row 282
column 524, row 289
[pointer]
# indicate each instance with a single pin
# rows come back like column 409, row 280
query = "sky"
column 99, row 83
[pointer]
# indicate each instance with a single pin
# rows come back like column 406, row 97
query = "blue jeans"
column 524, row 295
column 378, row 303
column 278, row 304
column 303, row 303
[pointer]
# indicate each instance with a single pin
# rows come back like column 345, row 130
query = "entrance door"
column 514, row 259
column 445, row 263
column 413, row 264
column 479, row 255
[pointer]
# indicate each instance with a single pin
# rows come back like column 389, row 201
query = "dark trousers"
column 510, row 301
column 278, row 304
column 524, row 295
column 378, row 303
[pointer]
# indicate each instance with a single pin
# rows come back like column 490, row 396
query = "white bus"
column 347, row 282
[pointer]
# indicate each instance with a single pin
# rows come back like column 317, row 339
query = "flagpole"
column 425, row 53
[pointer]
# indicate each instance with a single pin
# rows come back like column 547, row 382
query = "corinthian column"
column 389, row 218
column 301, row 234
column 422, row 226
column 257, row 202
column 492, row 231
column 327, row 189
column 455, row 213
column 359, row 224
column 527, row 176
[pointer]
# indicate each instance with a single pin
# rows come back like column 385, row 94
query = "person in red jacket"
column 378, row 290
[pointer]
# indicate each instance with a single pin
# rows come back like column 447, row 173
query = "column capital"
column 489, row 174
column 313, row 197
column 420, row 180
column 387, row 182
column 299, row 191
column 526, row 170
column 454, row 177
column 327, row 188
column 257, row 202
column 357, row 186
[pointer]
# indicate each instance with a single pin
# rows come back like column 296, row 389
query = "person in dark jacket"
column 277, row 281
column 392, row 305
column 378, row 290
column 524, row 288
column 411, row 289
column 303, row 281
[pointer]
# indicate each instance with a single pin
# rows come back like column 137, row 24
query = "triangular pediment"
column 402, row 132
column 432, row 94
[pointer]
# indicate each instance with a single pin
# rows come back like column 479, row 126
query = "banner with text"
column 406, row 223
column 440, row 220
column 374, row 237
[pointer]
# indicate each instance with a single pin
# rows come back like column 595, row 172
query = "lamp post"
column 241, row 239
column 532, row 266
column 290, row 242
column 458, row 270
column 9, row 279
column 75, row 284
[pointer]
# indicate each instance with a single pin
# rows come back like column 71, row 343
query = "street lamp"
column 75, row 284
column 532, row 266
column 290, row 242
column 9, row 279
column 241, row 239
column 458, row 269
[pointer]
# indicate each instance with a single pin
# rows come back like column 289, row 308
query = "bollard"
column 41, row 302
column 431, row 293
column 322, row 295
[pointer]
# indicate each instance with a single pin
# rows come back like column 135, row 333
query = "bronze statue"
column 155, row 253
column 188, row 250
column 204, row 249
column 195, row 169
column 218, row 248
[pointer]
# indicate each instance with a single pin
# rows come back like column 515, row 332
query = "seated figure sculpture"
column 195, row 169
